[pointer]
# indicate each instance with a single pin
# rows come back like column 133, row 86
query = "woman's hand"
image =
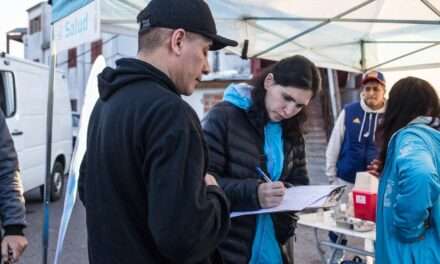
column 270, row 194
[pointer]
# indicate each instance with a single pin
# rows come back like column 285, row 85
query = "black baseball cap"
column 190, row 15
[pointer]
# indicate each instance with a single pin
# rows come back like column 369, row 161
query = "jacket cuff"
column 256, row 198
column 217, row 191
column 213, row 173
column 14, row 230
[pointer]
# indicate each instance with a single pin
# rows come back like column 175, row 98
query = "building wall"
column 316, row 141
column 203, row 99
column 30, row 52
column 33, row 40
column 114, row 47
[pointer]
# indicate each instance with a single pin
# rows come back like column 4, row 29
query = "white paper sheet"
column 297, row 199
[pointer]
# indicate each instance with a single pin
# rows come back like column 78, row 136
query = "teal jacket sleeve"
column 418, row 187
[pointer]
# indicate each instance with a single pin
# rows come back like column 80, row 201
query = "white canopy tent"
column 353, row 35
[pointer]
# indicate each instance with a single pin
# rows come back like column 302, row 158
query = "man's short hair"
column 153, row 38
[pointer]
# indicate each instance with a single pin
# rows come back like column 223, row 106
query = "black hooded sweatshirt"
column 142, row 179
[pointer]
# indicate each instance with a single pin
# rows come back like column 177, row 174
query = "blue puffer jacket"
column 408, row 209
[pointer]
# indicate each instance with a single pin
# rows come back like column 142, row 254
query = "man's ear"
column 362, row 93
column 268, row 81
column 177, row 40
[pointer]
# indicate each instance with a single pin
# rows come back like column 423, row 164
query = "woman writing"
column 258, row 125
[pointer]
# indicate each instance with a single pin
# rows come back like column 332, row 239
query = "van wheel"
column 57, row 181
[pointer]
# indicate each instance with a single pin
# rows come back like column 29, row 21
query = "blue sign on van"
column 63, row 8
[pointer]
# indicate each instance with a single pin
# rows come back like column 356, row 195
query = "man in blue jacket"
column 352, row 143
column 12, row 210
column 352, row 146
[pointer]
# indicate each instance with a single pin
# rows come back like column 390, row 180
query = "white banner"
column 91, row 96
column 80, row 27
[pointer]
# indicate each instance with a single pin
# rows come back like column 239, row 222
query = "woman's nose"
column 290, row 109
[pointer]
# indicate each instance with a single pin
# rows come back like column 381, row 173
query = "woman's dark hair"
column 409, row 98
column 297, row 71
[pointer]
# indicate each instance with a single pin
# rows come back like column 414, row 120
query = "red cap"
column 373, row 76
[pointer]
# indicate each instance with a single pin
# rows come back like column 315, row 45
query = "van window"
column 7, row 93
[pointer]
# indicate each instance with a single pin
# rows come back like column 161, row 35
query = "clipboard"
column 299, row 198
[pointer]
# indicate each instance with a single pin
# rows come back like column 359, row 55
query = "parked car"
column 24, row 97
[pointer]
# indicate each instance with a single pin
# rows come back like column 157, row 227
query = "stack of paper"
column 299, row 198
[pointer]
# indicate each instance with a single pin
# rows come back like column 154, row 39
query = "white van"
column 23, row 99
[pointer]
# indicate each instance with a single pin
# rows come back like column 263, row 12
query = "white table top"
column 324, row 221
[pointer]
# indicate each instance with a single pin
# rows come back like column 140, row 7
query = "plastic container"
column 365, row 196
column 364, row 205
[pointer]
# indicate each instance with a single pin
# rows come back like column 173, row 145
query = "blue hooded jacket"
column 408, row 208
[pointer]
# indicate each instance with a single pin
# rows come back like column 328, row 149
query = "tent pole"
column 363, row 59
column 341, row 20
column 403, row 56
column 401, row 41
column 299, row 45
column 412, row 67
column 315, row 27
column 334, row 90
column 48, row 181
column 431, row 6
column 352, row 43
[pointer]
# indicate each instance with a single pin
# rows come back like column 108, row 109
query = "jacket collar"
column 427, row 120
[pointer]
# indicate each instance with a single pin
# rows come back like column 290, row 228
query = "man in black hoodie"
column 143, row 179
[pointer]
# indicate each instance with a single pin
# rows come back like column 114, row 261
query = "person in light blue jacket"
column 408, row 208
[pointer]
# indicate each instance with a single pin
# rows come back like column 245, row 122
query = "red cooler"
column 364, row 205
